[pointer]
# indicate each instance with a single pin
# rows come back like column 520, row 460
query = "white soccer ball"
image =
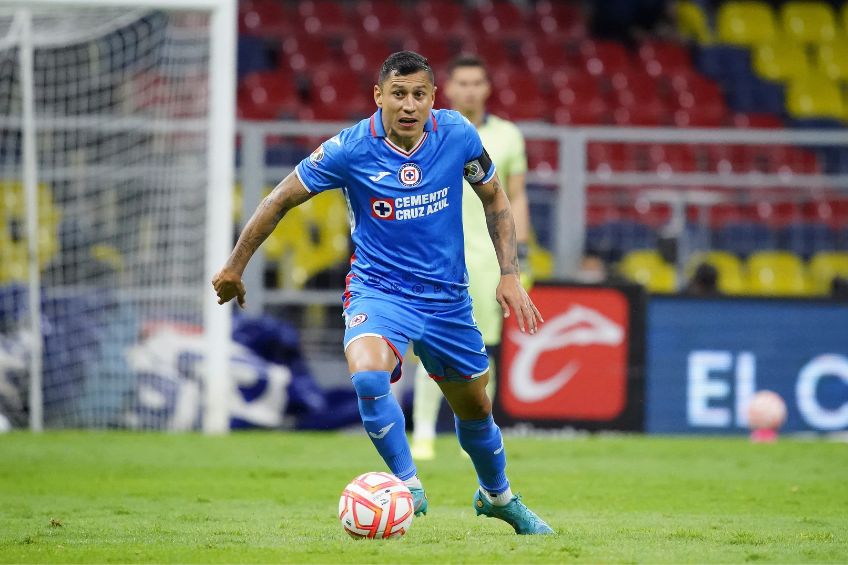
column 376, row 505
column 767, row 411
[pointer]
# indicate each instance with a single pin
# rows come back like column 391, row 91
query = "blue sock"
column 383, row 420
column 483, row 442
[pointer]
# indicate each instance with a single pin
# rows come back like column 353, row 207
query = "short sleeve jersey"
column 405, row 207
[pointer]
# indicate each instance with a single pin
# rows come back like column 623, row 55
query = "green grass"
column 272, row 497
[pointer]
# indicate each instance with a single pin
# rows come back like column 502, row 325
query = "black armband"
column 476, row 169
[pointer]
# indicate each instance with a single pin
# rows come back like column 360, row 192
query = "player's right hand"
column 228, row 285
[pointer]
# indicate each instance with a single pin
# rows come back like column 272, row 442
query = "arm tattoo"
column 502, row 231
column 263, row 221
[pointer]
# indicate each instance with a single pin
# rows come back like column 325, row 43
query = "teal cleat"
column 419, row 501
column 516, row 514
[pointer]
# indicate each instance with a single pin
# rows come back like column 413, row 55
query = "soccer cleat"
column 523, row 520
column 424, row 449
column 419, row 500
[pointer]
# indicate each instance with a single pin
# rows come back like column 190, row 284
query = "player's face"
column 406, row 102
column 468, row 89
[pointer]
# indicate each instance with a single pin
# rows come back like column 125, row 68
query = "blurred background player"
column 467, row 90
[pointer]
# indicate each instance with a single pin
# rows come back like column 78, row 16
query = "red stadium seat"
column 583, row 113
column 499, row 17
column 649, row 115
column 784, row 159
column 442, row 18
column 726, row 158
column 554, row 18
column 636, row 81
column 700, row 117
column 324, row 17
column 439, row 53
column 302, row 52
column 366, row 53
column 756, row 120
column 523, row 83
column 384, row 17
column 664, row 57
column 266, row 18
column 545, row 54
column 611, row 156
column 330, row 103
column 267, row 95
column 580, row 83
column 542, row 155
column 671, row 157
column 489, row 48
column 604, row 57
column 339, row 76
column 512, row 105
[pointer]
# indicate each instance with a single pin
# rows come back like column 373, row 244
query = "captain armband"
column 476, row 169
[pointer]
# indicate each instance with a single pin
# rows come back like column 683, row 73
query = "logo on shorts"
column 317, row 155
column 358, row 319
column 410, row 174
column 383, row 208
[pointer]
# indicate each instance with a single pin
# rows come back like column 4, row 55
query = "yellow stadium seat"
column 832, row 58
column 647, row 267
column 776, row 273
column 809, row 22
column 311, row 238
column 13, row 244
column 824, row 266
column 814, row 96
column 692, row 23
column 780, row 60
column 731, row 279
column 845, row 17
column 746, row 23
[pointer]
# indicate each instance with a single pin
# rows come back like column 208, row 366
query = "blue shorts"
column 445, row 336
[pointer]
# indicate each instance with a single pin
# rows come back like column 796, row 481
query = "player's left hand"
column 512, row 297
column 228, row 285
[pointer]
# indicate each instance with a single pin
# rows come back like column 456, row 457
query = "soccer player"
column 401, row 172
column 467, row 90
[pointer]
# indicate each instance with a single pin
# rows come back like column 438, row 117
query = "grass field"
column 271, row 498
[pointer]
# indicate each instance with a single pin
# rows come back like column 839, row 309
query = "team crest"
column 383, row 208
column 409, row 174
column 358, row 319
column 317, row 155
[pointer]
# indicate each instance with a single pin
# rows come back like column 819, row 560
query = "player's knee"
column 370, row 354
column 371, row 384
column 475, row 408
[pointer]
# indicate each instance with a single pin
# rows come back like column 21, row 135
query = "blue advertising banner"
column 707, row 357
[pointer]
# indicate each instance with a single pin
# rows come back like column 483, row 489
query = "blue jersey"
column 405, row 207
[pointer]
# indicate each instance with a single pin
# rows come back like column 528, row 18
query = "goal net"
column 111, row 178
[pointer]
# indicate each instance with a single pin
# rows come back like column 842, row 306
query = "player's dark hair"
column 404, row 63
column 467, row 60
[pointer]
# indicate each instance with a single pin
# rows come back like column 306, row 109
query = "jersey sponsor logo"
column 357, row 319
column 379, row 176
column 409, row 174
column 317, row 155
column 383, row 208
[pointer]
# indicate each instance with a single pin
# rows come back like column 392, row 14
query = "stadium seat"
column 663, row 57
column 815, row 96
column 333, row 103
column 700, row 117
column 744, row 238
column 265, row 18
column 556, row 19
column 582, row 113
column 500, row 18
column 724, row 61
column 831, row 58
column 383, row 18
column 692, row 22
column 731, row 279
column 444, row 18
column 823, row 267
column 604, row 57
column 756, row 120
column 808, row 22
column 754, row 95
column 615, row 238
column 671, row 157
column 610, row 157
column 776, row 273
column 542, row 155
column 491, row 49
column 647, row 267
column 844, row 17
column 745, row 23
column 252, row 55
column 301, row 52
column 786, row 159
column 780, row 60
column 324, row 17
column 544, row 54
column 268, row 95
column 365, row 53
column 805, row 239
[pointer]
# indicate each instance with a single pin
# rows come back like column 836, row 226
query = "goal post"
column 116, row 176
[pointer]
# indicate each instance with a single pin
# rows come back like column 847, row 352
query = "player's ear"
column 378, row 96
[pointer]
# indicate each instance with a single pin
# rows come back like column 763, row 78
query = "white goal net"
column 110, row 181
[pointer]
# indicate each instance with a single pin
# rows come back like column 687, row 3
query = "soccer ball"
column 376, row 505
column 767, row 411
